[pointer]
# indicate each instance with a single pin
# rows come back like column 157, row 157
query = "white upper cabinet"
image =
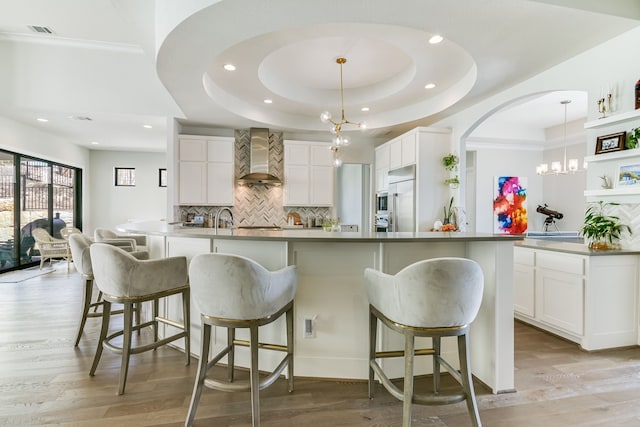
column 308, row 174
column 382, row 168
column 206, row 171
column 402, row 151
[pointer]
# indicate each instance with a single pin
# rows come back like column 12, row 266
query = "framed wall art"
column 609, row 143
column 629, row 175
column 510, row 205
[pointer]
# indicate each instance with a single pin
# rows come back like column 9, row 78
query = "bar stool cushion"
column 405, row 299
column 235, row 287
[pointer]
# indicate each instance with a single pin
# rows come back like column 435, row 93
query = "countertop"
column 571, row 248
column 165, row 229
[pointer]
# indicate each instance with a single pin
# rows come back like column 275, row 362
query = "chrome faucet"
column 218, row 214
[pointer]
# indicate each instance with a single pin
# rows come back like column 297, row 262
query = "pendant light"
column 336, row 127
column 565, row 167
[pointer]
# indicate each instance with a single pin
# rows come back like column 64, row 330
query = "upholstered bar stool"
column 123, row 279
column 135, row 242
column 236, row 292
column 79, row 244
column 433, row 298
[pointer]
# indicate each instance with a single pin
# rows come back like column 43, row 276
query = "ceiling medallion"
column 336, row 127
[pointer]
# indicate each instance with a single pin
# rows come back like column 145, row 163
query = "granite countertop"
column 177, row 230
column 571, row 248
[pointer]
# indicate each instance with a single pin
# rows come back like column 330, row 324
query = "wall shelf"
column 613, row 156
column 618, row 118
column 620, row 195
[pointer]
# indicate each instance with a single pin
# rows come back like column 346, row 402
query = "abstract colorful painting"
column 510, row 205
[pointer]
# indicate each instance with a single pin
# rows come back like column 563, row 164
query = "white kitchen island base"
column 331, row 292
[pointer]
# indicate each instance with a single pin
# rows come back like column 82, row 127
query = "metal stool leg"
column 88, row 294
column 186, row 315
column 231, row 336
column 409, row 346
column 436, row 364
column 290, row 347
column 126, row 345
column 467, row 380
column 373, row 336
column 255, row 377
column 202, row 373
column 106, row 315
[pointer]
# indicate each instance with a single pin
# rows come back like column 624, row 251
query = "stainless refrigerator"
column 402, row 212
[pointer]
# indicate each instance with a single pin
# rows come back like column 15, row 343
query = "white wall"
column 113, row 205
column 30, row 140
column 589, row 71
column 492, row 162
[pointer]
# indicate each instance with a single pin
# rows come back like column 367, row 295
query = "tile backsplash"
column 258, row 204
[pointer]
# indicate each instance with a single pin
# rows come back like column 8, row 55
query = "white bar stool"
column 432, row 298
column 125, row 280
column 236, row 292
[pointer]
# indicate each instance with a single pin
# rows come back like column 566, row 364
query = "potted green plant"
column 330, row 224
column 450, row 162
column 633, row 137
column 452, row 182
column 600, row 229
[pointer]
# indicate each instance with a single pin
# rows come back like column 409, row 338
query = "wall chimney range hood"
column 259, row 160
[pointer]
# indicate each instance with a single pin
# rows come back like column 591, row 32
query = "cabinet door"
column 320, row 155
column 321, row 185
column 220, row 150
column 296, row 185
column 408, row 153
column 523, row 289
column 395, row 154
column 193, row 150
column 560, row 300
column 382, row 157
column 220, row 184
column 193, row 183
column 296, row 154
column 382, row 180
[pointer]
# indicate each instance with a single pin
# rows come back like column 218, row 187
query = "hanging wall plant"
column 450, row 162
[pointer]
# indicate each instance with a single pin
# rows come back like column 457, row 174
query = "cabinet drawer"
column 560, row 262
column 523, row 256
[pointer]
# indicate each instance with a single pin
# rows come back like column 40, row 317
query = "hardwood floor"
column 44, row 380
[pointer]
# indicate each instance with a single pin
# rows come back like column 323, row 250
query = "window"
column 125, row 177
column 162, row 177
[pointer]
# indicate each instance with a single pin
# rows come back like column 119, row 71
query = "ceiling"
column 129, row 63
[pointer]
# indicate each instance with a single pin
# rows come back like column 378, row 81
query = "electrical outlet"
column 309, row 329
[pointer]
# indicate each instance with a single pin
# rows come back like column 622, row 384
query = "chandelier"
column 336, row 127
column 557, row 167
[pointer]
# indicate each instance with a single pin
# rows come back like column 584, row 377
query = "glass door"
column 35, row 176
column 8, row 246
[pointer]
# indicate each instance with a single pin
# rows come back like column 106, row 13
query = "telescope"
column 551, row 216
column 544, row 210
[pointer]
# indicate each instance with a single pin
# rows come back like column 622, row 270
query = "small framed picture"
column 612, row 142
column 629, row 175
column 162, row 177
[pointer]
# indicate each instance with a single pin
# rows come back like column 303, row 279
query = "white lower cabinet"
column 588, row 299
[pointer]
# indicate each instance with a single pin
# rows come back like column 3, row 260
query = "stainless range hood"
column 259, row 160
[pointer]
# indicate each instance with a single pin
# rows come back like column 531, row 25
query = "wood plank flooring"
column 44, row 380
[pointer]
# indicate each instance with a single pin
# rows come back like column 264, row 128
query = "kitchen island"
column 331, row 292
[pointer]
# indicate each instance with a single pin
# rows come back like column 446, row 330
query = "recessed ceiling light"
column 229, row 67
column 436, row 39
column 268, row 101
column 429, row 85
column 40, row 119
column 95, row 143
column 147, row 126
column 364, row 109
